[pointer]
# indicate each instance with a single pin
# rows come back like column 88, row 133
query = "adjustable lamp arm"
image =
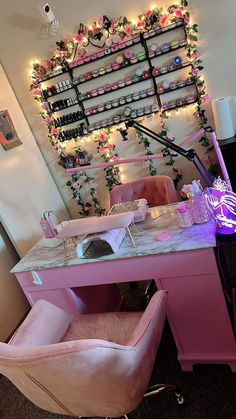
column 191, row 154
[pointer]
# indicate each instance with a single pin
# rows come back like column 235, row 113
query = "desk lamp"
column 220, row 200
column 190, row 154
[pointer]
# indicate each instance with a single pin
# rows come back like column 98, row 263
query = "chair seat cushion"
column 113, row 327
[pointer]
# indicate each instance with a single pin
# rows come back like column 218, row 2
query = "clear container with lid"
column 183, row 216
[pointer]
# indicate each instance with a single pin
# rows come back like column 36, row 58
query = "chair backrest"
column 89, row 377
column 157, row 190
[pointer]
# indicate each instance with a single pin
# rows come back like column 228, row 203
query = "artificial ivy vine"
column 143, row 140
column 106, row 149
column 74, row 47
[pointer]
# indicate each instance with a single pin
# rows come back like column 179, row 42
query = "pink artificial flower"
column 140, row 24
column 187, row 19
column 35, row 83
column 48, row 120
column 206, row 98
column 163, row 20
column 85, row 30
column 113, row 24
column 128, row 30
column 100, row 21
column 111, row 146
column 195, row 56
column 148, row 13
column 45, row 106
column 196, row 72
column 37, row 92
column 115, row 158
column 178, row 13
column 102, row 137
column 55, row 132
column 79, row 38
column 101, row 149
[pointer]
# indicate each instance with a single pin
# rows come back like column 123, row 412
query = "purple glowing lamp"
column 222, row 204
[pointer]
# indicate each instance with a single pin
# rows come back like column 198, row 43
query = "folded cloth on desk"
column 96, row 245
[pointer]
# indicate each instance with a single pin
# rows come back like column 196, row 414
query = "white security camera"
column 48, row 13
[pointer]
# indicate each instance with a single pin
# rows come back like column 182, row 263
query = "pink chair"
column 92, row 365
column 157, row 190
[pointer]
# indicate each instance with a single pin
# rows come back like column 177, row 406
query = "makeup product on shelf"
column 135, row 96
column 135, row 79
column 156, row 71
column 100, row 107
column 140, row 112
column 101, row 90
column 128, row 81
column 143, row 94
column 147, row 110
column 100, row 53
column 94, row 56
column 114, row 48
column 82, row 78
column 189, row 80
column 181, row 83
column 115, row 66
column 163, row 70
column 158, row 51
column 146, row 74
column 114, row 86
column 108, row 68
column 121, row 45
column 166, row 84
column 89, row 75
column 133, row 113
column 141, row 56
column 165, row 47
column 121, row 83
column 108, row 105
column 116, row 119
column 102, row 71
column 182, row 43
column 119, row 59
column 128, row 53
column 177, row 60
column 86, row 57
column 174, row 44
column 155, row 107
column 95, row 73
column 108, row 42
column 139, row 71
column 191, row 98
column 114, row 103
column 172, row 104
column 129, row 42
column 128, row 98
column 150, row 91
column 133, row 59
column 173, row 85
column 122, row 100
column 116, row 39
column 107, row 88
column 127, row 111
column 94, row 92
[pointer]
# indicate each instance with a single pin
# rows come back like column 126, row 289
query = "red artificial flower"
column 115, row 158
column 45, row 106
column 178, row 13
column 79, row 38
column 100, row 21
column 111, row 146
column 206, row 98
column 128, row 30
column 55, row 132
column 85, row 30
column 187, row 19
column 48, row 120
column 113, row 24
column 140, row 24
column 102, row 137
column 148, row 13
column 163, row 20
column 101, row 149
column 37, row 92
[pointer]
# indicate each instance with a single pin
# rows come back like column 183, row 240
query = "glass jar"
column 198, row 208
column 183, row 216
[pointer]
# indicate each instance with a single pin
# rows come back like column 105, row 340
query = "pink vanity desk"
column 184, row 265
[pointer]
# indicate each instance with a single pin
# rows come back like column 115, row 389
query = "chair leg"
column 157, row 388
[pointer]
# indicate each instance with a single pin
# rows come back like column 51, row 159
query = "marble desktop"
column 158, row 220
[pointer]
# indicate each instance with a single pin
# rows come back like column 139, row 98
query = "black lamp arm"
column 190, row 154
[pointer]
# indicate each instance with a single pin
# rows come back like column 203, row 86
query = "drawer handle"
column 36, row 278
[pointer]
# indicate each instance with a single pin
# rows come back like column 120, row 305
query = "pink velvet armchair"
column 92, row 365
column 157, row 190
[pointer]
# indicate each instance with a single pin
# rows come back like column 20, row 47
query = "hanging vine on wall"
column 95, row 35
column 143, row 140
column 106, row 149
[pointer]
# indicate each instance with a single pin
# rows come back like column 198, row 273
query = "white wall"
column 26, row 188
column 13, row 303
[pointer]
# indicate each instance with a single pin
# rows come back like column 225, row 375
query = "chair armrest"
column 45, row 324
